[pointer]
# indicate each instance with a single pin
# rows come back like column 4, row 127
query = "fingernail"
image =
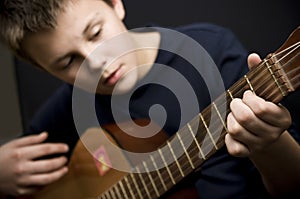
column 43, row 133
column 66, row 148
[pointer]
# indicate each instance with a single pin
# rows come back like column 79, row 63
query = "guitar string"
column 296, row 45
column 294, row 79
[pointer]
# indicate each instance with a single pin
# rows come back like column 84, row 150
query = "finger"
column 26, row 191
column 246, row 118
column 236, row 148
column 239, row 133
column 40, row 150
column 31, row 139
column 45, row 166
column 45, row 178
column 243, row 114
column 44, row 149
column 267, row 111
column 253, row 60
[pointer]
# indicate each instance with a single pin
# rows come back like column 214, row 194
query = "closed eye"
column 70, row 62
column 96, row 32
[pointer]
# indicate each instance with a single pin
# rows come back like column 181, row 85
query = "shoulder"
column 57, row 105
column 214, row 38
column 201, row 27
column 223, row 46
column 205, row 31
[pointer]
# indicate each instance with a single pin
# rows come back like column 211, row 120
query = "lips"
column 113, row 77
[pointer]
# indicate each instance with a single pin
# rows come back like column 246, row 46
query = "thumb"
column 253, row 60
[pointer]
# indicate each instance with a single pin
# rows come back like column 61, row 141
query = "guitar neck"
column 273, row 79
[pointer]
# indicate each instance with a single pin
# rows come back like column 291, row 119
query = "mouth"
column 113, row 77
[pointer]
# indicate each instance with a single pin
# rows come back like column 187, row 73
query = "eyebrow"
column 90, row 22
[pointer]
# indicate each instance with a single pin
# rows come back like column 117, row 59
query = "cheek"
column 86, row 82
column 68, row 75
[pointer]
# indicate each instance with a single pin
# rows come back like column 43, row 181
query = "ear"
column 119, row 8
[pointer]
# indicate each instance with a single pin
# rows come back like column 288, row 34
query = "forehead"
column 79, row 11
column 71, row 22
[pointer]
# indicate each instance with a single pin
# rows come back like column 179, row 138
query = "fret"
column 112, row 194
column 129, row 187
column 102, row 196
column 249, row 83
column 117, row 191
column 166, row 166
column 158, row 172
column 143, row 182
column 208, row 131
column 174, row 156
column 106, row 195
column 269, row 67
column 123, row 189
column 185, row 151
column 196, row 141
column 219, row 114
column 136, row 185
column 230, row 94
column 151, row 179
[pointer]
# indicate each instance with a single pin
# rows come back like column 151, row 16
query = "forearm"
column 279, row 165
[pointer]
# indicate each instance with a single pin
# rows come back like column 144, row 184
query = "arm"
column 21, row 172
column 257, row 129
column 279, row 165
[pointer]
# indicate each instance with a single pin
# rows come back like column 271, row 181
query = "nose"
column 94, row 59
column 96, row 63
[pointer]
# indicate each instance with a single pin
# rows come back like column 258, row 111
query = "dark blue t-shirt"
column 221, row 176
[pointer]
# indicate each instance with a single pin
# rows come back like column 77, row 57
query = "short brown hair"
column 19, row 17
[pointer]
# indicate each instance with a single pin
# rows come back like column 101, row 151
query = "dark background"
column 261, row 26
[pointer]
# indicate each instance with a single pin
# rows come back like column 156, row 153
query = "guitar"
column 274, row 78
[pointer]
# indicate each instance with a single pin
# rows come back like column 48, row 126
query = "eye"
column 70, row 61
column 95, row 32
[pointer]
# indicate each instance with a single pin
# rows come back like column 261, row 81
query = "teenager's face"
column 84, row 25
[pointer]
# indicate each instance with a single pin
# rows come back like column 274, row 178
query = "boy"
column 63, row 36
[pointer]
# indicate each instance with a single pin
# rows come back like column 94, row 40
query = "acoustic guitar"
column 274, row 78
